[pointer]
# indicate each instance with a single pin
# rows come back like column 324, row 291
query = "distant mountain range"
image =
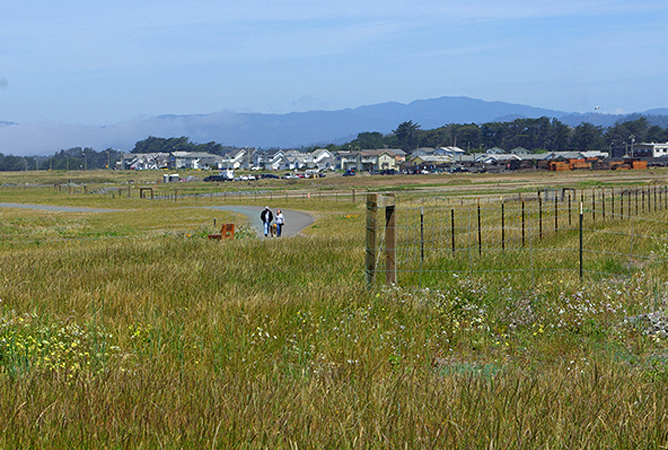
column 289, row 130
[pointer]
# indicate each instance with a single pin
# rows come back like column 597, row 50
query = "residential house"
column 238, row 159
column 323, row 159
column 144, row 161
column 455, row 152
column 194, row 160
column 366, row 160
column 399, row 155
column 650, row 150
column 497, row 159
column 431, row 161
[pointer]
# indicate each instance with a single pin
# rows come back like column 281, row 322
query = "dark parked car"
column 456, row 169
column 349, row 173
column 215, row 178
column 273, row 176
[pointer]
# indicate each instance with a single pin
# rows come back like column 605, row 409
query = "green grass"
column 133, row 330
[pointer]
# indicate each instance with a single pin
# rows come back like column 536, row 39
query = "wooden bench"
column 226, row 232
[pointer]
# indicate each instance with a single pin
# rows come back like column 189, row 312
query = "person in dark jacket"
column 267, row 217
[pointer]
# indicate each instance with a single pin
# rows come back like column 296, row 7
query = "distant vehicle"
column 388, row 172
column 225, row 174
column 215, row 178
column 289, row 176
column 456, row 169
column 269, row 176
column 349, row 173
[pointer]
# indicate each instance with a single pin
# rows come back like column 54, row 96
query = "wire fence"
column 597, row 233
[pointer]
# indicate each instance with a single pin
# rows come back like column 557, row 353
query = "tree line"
column 75, row 158
column 542, row 134
column 87, row 158
column 154, row 144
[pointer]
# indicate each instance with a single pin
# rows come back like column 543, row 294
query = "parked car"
column 456, row 169
column 215, row 178
column 349, row 173
column 272, row 176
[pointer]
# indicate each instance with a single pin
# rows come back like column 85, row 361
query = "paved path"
column 295, row 221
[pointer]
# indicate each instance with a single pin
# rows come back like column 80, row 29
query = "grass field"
column 130, row 329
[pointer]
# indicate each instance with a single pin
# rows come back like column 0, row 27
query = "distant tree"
column 656, row 134
column 493, row 134
column 10, row 163
column 558, row 138
column 587, row 136
column 469, row 136
column 407, row 135
column 370, row 140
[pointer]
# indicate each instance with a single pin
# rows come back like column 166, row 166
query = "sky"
column 98, row 63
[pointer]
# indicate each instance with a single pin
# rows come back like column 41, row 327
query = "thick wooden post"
column 389, row 201
column 371, row 227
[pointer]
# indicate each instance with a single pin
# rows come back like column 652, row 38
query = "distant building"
column 650, row 150
column 366, row 160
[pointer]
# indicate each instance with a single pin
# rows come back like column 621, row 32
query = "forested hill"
column 291, row 130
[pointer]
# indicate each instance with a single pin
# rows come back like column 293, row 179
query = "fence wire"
column 604, row 232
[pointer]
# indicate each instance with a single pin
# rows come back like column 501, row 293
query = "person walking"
column 280, row 221
column 267, row 217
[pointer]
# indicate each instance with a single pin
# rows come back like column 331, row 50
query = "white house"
column 237, row 159
column 432, row 160
column 455, row 152
column 194, row 160
column 144, row 161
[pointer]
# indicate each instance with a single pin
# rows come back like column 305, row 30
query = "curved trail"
column 295, row 221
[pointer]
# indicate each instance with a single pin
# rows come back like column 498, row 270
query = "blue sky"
column 98, row 63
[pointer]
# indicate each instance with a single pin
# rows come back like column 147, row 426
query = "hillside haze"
column 286, row 130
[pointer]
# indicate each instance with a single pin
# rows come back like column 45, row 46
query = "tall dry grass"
column 156, row 337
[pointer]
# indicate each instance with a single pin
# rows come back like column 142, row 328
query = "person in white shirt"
column 279, row 221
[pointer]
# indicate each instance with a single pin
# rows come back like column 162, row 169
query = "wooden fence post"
column 479, row 231
column 503, row 225
column 522, row 223
column 371, row 226
column 452, row 228
column 540, row 217
column 389, row 202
